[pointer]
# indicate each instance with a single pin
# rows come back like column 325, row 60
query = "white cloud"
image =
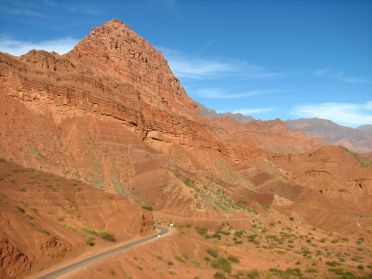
column 24, row 12
column 76, row 8
column 17, row 47
column 321, row 72
column 324, row 72
column 194, row 67
column 348, row 114
column 216, row 93
column 252, row 111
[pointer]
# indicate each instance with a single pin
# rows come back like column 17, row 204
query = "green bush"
column 212, row 252
column 148, row 207
column 233, row 259
column 102, row 234
column 90, row 240
column 253, row 274
column 88, row 231
column 203, row 232
column 332, row 263
column 288, row 273
column 106, row 236
column 222, row 263
column 238, row 233
column 70, row 227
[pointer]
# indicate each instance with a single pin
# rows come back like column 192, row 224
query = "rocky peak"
column 275, row 125
column 117, row 50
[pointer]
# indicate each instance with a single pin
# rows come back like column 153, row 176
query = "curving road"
column 101, row 256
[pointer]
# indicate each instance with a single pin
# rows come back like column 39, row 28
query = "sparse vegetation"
column 219, row 275
column 233, row 259
column 106, row 236
column 102, row 234
column 363, row 161
column 203, row 232
column 288, row 273
column 90, row 240
column 212, row 252
column 147, row 207
column 253, row 274
column 70, row 227
column 222, row 263
column 180, row 259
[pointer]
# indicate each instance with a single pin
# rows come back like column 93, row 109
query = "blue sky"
column 287, row 59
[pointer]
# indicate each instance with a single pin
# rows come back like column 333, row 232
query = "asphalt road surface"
column 93, row 259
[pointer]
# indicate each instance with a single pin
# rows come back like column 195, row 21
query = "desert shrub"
column 252, row 238
column 112, row 272
column 233, row 259
column 342, row 274
column 288, row 273
column 148, row 207
column 170, row 263
column 195, row 262
column 106, row 236
column 253, row 274
column 90, row 240
column 222, row 263
column 332, row 263
column 238, row 233
column 311, row 270
column 219, row 275
column 361, row 267
column 70, row 227
column 180, row 259
column 20, row 209
column 88, row 231
column 212, row 252
column 203, row 232
column 363, row 161
column 217, row 236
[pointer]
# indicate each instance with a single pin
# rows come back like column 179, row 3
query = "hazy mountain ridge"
column 210, row 114
column 358, row 139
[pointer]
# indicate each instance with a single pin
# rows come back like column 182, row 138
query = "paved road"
column 93, row 259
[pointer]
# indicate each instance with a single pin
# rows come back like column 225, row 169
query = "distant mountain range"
column 357, row 139
column 210, row 114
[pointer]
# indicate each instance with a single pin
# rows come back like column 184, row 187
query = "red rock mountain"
column 111, row 114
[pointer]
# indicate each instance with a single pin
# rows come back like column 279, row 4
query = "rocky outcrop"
column 147, row 224
column 12, row 260
column 117, row 49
